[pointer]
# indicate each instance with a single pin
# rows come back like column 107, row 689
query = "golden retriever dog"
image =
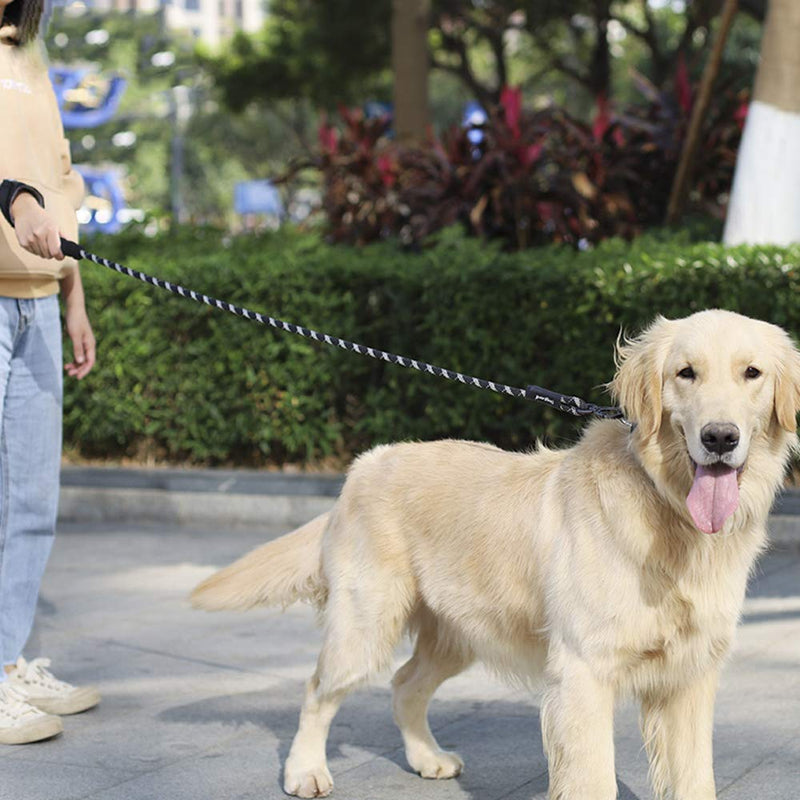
column 615, row 568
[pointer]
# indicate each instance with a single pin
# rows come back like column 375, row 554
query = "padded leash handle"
column 71, row 249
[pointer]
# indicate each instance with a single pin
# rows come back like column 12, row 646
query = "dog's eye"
column 751, row 373
column 687, row 373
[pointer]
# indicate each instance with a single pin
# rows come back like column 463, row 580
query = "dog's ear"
column 638, row 382
column 787, row 387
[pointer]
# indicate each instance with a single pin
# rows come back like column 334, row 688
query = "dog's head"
column 709, row 394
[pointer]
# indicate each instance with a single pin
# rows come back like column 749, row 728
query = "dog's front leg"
column 677, row 729
column 578, row 730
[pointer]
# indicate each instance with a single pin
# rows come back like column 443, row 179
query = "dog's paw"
column 436, row 764
column 307, row 782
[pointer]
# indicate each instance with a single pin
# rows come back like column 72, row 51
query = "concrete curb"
column 227, row 498
column 247, row 498
column 203, row 481
column 80, row 504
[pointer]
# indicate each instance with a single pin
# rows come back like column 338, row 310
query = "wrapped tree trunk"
column 410, row 66
column 765, row 201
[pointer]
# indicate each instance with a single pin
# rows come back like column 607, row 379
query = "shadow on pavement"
column 500, row 741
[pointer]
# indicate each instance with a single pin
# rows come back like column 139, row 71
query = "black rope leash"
column 566, row 403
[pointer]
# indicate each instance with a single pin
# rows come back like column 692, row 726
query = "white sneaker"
column 20, row 722
column 42, row 689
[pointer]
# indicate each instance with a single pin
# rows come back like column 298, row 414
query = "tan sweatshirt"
column 33, row 150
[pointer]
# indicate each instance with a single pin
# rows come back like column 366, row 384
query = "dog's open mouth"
column 714, row 495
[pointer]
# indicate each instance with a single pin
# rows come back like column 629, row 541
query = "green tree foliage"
column 571, row 51
column 339, row 52
column 327, row 52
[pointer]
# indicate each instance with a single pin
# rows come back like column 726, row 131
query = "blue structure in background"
column 103, row 97
column 474, row 119
column 105, row 200
column 85, row 100
column 257, row 197
column 375, row 109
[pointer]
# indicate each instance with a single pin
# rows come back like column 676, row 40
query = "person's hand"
column 83, row 345
column 36, row 230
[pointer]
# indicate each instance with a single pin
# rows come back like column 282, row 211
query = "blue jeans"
column 30, row 458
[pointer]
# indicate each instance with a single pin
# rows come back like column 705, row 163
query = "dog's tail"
column 280, row 572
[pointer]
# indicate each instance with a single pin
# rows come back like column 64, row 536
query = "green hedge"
column 181, row 382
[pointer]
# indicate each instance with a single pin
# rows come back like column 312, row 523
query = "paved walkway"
column 203, row 706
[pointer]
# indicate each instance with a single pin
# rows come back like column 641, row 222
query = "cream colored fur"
column 579, row 570
column 273, row 574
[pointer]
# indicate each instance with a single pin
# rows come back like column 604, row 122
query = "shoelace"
column 13, row 704
column 36, row 672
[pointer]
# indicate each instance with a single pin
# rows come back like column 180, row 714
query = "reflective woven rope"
column 566, row 403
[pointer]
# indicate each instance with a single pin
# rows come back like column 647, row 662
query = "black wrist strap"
column 9, row 191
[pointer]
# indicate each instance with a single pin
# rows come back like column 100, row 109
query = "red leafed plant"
column 530, row 177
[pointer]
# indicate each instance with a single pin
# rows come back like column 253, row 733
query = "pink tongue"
column 714, row 496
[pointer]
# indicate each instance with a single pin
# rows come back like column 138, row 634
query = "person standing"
column 39, row 194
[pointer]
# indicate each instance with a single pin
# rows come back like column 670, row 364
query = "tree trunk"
column 765, row 201
column 683, row 176
column 410, row 65
column 600, row 66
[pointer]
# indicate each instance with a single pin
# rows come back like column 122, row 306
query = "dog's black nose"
column 719, row 437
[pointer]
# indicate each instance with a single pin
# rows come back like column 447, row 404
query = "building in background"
column 211, row 21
